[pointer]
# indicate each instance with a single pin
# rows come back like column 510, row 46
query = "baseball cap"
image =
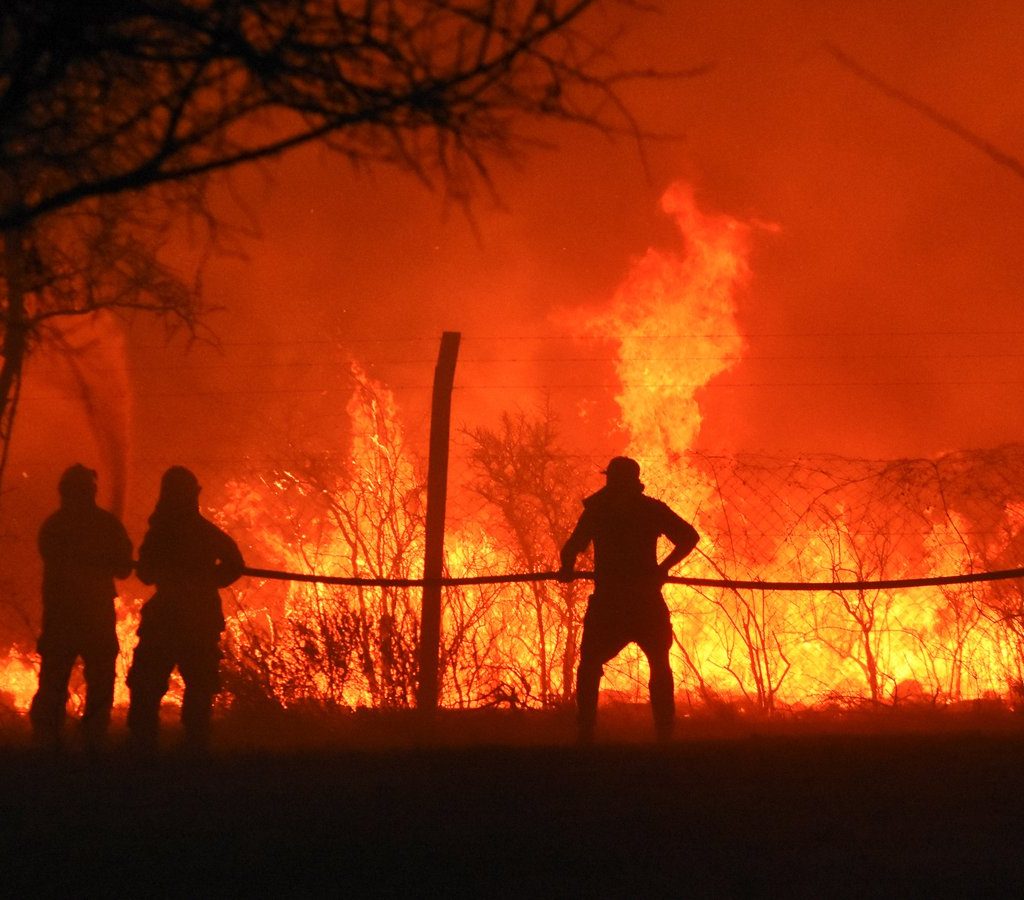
column 622, row 470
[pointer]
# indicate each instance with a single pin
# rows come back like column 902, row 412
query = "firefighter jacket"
column 188, row 558
column 84, row 548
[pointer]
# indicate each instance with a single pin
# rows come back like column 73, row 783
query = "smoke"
column 91, row 353
column 882, row 321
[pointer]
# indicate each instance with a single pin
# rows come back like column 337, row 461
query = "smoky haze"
column 882, row 317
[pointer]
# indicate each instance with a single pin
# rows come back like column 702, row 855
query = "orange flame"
column 674, row 319
column 675, row 324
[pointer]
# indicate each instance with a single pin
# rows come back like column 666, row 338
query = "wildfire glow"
column 19, row 679
column 19, row 670
column 674, row 326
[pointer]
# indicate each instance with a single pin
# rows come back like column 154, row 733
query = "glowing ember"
column 18, row 679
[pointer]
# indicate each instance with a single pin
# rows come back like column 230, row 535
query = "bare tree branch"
column 929, row 112
column 134, row 107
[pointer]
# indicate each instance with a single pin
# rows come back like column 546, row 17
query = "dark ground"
column 904, row 810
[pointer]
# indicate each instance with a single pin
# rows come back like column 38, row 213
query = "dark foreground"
column 807, row 815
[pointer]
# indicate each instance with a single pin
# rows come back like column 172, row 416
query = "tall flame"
column 675, row 326
column 674, row 319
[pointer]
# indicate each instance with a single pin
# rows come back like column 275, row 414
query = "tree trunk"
column 15, row 341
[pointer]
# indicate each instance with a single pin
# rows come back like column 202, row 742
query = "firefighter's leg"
column 48, row 705
column 200, row 669
column 656, row 646
column 588, row 685
column 600, row 643
column 148, row 679
column 100, row 665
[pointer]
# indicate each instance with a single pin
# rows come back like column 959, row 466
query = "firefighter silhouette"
column 84, row 548
column 189, row 559
column 624, row 525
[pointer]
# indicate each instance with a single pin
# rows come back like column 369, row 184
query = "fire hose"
column 755, row 584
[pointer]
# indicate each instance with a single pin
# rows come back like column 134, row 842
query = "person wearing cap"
column 189, row 559
column 84, row 548
column 624, row 525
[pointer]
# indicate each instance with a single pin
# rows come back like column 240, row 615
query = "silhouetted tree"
column 936, row 116
column 363, row 517
column 858, row 625
column 331, row 645
column 104, row 99
column 99, row 256
column 536, row 486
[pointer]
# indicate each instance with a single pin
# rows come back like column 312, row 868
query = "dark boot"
column 588, row 683
column 143, row 724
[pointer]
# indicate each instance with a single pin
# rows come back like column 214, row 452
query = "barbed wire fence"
column 815, row 585
column 892, row 631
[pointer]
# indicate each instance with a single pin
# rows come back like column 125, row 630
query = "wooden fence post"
column 437, row 495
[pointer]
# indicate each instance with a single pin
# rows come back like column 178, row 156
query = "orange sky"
column 882, row 319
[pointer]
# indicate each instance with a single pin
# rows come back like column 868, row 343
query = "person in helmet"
column 189, row 559
column 624, row 525
column 84, row 548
